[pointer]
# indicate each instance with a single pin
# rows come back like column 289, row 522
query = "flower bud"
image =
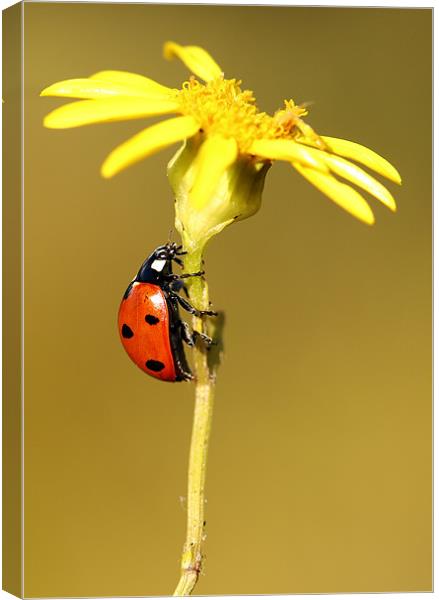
column 236, row 196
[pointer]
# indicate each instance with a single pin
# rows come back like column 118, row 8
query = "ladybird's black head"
column 158, row 265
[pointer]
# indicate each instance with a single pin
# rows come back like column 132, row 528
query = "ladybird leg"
column 185, row 275
column 178, row 285
column 186, row 333
column 204, row 338
column 185, row 375
column 190, row 337
column 191, row 309
column 175, row 277
column 178, row 261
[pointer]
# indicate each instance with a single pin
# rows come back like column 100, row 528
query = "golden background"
column 319, row 474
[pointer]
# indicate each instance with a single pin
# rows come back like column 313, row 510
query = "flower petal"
column 100, row 88
column 340, row 193
column 288, row 150
column 148, row 142
column 214, row 156
column 354, row 174
column 133, row 81
column 195, row 58
column 86, row 112
column 364, row 156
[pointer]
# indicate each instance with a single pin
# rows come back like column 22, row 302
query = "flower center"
column 221, row 107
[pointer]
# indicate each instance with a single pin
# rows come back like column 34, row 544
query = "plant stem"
column 192, row 557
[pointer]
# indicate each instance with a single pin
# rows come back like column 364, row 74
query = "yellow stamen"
column 222, row 108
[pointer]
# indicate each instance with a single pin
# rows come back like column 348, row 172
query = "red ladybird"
column 150, row 327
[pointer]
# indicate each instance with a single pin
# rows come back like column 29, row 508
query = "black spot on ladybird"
column 154, row 365
column 151, row 319
column 127, row 332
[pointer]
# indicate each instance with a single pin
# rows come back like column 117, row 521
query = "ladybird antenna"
column 170, row 235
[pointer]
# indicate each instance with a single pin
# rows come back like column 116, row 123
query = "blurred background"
column 319, row 476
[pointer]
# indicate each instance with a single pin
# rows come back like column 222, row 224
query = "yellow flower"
column 224, row 134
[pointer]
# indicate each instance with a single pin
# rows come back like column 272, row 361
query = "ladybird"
column 150, row 327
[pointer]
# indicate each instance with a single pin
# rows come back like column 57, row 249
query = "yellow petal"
column 354, row 174
column 195, row 58
column 148, row 142
column 133, row 81
column 99, row 88
column 213, row 158
column 340, row 193
column 364, row 156
column 290, row 151
column 85, row 112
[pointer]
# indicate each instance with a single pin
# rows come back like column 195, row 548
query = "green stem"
column 192, row 557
